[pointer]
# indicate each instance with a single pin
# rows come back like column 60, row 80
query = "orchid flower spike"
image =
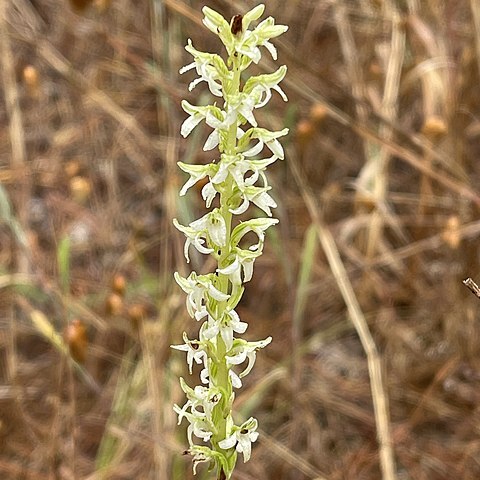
column 235, row 179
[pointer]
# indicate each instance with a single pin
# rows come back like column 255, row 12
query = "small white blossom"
column 211, row 228
column 201, row 454
column 215, row 118
column 255, row 225
column 203, row 397
column 229, row 323
column 264, row 137
column 200, row 290
column 242, row 438
column 210, row 67
column 256, row 195
column 260, row 87
column 243, row 260
column 243, row 350
column 197, row 173
column 195, row 351
column 199, row 426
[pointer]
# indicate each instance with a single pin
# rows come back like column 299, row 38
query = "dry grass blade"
column 379, row 395
column 16, row 130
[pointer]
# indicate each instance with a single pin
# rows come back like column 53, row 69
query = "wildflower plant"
column 234, row 181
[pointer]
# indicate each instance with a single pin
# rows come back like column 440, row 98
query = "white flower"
column 257, row 195
column 255, row 225
column 242, row 438
column 195, row 351
column 197, row 114
column 243, row 260
column 238, row 166
column 245, row 42
column 197, row 173
column 243, row 350
column 210, row 67
column 229, row 323
column 267, row 30
column 200, row 290
column 213, row 116
column 203, row 397
column 199, row 426
column 242, row 104
column 211, row 228
column 264, row 137
column 200, row 454
column 260, row 87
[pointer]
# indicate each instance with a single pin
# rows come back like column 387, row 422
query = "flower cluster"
column 234, row 181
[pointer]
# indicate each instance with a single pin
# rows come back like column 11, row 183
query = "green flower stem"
column 220, row 373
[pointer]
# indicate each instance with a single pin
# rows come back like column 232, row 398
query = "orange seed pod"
column 434, row 127
column 114, row 305
column 119, row 284
column 136, row 313
column 80, row 5
column 451, row 235
column 80, row 189
column 318, row 113
column 31, row 80
column 75, row 336
column 304, row 131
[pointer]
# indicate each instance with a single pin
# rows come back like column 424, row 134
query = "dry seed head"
column 305, row 131
column 434, row 127
column 80, row 5
column 119, row 284
column 75, row 336
column 451, row 235
column 136, row 313
column 318, row 112
column 72, row 168
column 80, row 189
column 102, row 5
column 114, row 304
column 31, row 77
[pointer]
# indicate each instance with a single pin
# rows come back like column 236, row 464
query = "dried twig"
column 472, row 286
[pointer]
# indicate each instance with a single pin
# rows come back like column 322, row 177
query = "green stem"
column 220, row 372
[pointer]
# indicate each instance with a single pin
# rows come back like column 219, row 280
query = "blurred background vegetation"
column 379, row 223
